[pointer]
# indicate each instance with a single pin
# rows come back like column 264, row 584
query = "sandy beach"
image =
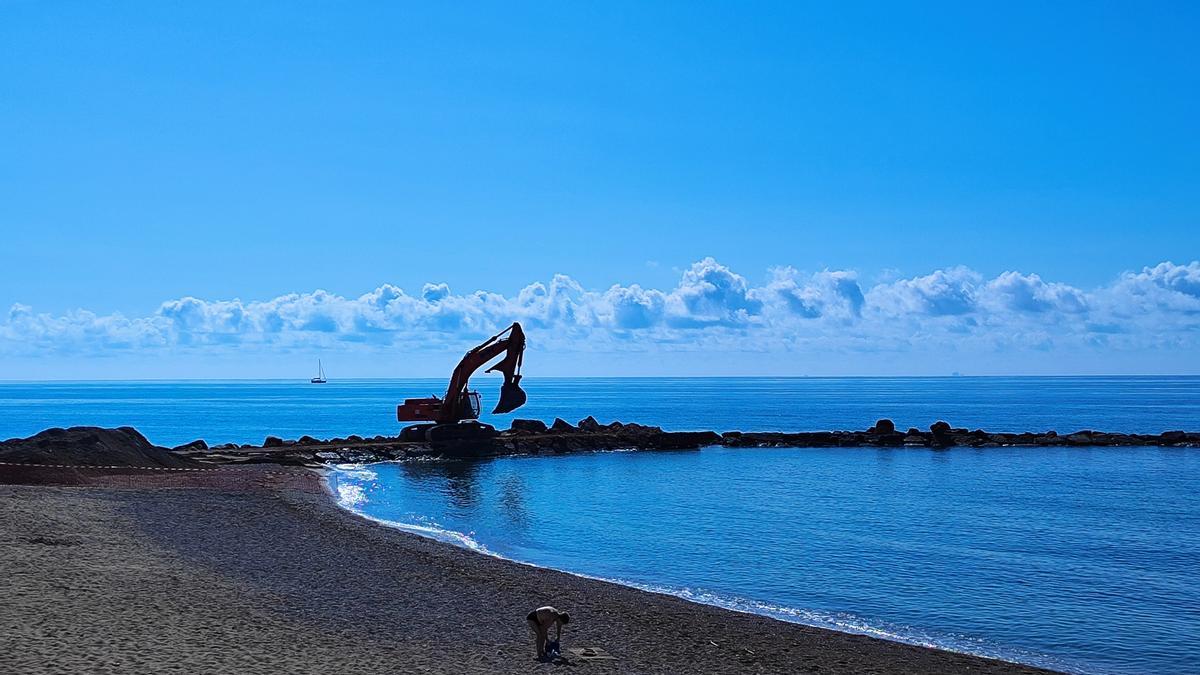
column 256, row 570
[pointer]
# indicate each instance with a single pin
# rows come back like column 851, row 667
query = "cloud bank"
column 712, row 308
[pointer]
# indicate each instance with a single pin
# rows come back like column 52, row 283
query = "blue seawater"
column 1078, row 559
column 1081, row 559
column 170, row 413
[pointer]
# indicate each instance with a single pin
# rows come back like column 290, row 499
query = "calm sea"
column 1081, row 559
column 170, row 413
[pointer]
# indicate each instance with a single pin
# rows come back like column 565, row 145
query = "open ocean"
column 1080, row 559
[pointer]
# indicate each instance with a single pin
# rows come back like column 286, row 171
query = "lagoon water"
column 1081, row 559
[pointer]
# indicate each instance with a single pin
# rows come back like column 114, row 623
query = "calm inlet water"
column 1079, row 559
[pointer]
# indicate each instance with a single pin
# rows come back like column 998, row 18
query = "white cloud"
column 1028, row 293
column 711, row 308
column 1165, row 288
column 824, row 294
column 949, row 292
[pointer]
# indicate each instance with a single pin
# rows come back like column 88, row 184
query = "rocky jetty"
column 535, row 437
column 90, row 446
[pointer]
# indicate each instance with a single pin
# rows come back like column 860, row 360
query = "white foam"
column 354, row 497
column 356, row 472
column 351, row 496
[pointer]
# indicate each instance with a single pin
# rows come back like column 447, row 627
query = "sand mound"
column 89, row 446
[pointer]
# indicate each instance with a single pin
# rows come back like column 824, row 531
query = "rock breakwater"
column 534, row 437
column 91, row 446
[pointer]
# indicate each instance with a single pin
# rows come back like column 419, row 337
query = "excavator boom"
column 461, row 404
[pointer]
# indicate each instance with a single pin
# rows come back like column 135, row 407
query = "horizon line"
column 299, row 380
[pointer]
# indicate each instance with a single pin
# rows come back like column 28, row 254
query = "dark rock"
column 892, row 439
column 913, row 431
column 90, row 446
column 914, row 439
column 354, row 439
column 884, row 426
column 529, row 426
column 197, row 444
column 589, row 424
column 561, row 426
column 940, row 427
column 684, row 440
column 308, row 440
column 633, row 428
column 1173, row 436
column 614, row 426
column 272, row 442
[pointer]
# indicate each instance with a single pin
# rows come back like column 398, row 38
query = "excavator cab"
column 469, row 405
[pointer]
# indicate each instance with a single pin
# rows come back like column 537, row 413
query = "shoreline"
column 468, row 543
column 256, row 531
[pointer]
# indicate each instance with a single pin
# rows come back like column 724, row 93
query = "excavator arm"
column 456, row 406
column 511, row 343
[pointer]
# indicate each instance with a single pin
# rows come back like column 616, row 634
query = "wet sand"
column 253, row 570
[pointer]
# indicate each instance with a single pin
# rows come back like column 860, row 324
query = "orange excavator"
column 453, row 418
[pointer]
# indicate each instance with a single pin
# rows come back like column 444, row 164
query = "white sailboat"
column 320, row 378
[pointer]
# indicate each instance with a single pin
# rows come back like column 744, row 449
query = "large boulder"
column 529, row 426
column 561, row 426
column 884, row 426
column 90, row 446
column 589, row 424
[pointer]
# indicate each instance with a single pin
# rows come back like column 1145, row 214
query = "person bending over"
column 540, row 620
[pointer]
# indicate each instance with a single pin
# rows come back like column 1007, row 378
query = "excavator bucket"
column 511, row 397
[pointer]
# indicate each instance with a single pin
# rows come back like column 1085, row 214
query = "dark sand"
column 257, row 571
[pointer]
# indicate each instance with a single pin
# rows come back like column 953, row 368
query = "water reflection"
column 512, row 501
column 457, row 479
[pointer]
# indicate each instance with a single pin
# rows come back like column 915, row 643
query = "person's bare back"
column 540, row 620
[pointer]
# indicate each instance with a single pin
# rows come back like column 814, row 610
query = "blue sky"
column 679, row 164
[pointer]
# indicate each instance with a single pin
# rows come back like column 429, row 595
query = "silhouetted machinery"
column 453, row 418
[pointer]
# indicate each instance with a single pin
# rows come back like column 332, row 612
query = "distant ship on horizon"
column 320, row 378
